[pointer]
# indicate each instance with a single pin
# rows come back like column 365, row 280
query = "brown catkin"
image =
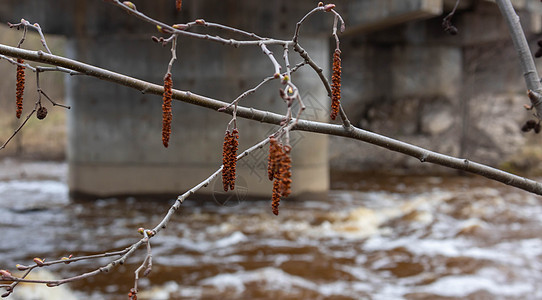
column 226, row 161
column 285, row 173
column 166, row 110
column 178, row 4
column 20, row 88
column 275, row 199
column 336, row 84
column 279, row 170
column 234, row 143
column 229, row 159
column 274, row 150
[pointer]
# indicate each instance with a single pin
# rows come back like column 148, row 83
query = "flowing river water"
column 371, row 237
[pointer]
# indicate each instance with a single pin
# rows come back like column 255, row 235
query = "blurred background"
column 364, row 222
column 40, row 140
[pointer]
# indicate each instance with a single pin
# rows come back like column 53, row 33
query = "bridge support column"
column 114, row 133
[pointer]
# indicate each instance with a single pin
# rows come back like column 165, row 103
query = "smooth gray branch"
column 524, row 53
column 422, row 154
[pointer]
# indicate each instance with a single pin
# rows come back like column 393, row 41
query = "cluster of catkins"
column 278, row 170
column 531, row 125
column 229, row 159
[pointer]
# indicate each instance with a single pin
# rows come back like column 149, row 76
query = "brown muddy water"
column 371, row 237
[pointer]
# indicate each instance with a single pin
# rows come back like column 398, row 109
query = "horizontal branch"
column 422, row 154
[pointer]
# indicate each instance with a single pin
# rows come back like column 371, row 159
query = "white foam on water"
column 366, row 220
column 22, row 194
column 517, row 253
column 203, row 245
column 277, row 279
column 169, row 289
column 414, row 245
column 464, row 285
column 44, row 186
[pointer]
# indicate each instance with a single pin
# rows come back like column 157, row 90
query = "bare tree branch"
column 422, row 154
column 524, row 53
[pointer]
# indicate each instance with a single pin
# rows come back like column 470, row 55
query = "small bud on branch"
column 329, row 7
column 162, row 29
column 180, row 26
column 5, row 275
column 38, row 261
column 129, row 4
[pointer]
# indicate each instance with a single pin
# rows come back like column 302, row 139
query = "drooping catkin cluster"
column 132, row 295
column 20, row 88
column 531, row 125
column 278, row 169
column 166, row 110
column 229, row 159
column 336, row 84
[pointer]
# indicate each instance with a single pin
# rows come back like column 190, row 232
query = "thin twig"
column 220, row 26
column 40, row 68
column 34, row 26
column 173, row 53
column 528, row 66
column 169, row 29
column 36, row 105
column 53, row 102
column 269, row 54
column 254, row 89
column 28, row 269
column 19, row 128
column 320, row 72
column 127, row 252
column 204, row 183
column 300, row 22
column 147, row 264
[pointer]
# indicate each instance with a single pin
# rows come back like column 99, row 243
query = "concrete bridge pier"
column 114, row 132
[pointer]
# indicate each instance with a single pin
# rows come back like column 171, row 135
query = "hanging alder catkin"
column 166, row 110
column 20, row 88
column 229, row 159
column 272, row 161
column 285, row 173
column 278, row 170
column 336, row 84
